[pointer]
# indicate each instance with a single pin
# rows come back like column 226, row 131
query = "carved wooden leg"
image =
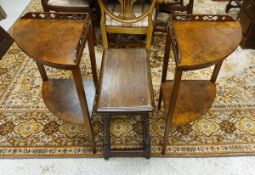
column 106, row 136
column 84, row 107
column 146, row 136
column 216, row 71
column 165, row 66
column 92, row 54
column 42, row 71
column 170, row 112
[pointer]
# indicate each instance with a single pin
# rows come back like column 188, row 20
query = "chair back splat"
column 127, row 17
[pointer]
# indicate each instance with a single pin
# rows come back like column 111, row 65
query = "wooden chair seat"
column 69, row 3
column 125, row 85
column 138, row 11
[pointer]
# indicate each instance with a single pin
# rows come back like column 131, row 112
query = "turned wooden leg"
column 216, row 71
column 106, row 136
column 146, row 136
column 42, row 71
column 170, row 112
column 84, row 107
column 92, row 54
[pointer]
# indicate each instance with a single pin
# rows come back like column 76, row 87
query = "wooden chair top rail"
column 126, row 14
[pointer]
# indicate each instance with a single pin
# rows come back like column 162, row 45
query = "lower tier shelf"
column 195, row 97
column 61, row 98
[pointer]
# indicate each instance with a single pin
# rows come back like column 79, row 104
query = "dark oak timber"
column 125, row 84
column 125, row 88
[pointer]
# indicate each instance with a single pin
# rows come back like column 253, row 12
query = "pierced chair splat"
column 127, row 17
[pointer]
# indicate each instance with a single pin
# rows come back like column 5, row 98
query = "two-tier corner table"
column 58, row 41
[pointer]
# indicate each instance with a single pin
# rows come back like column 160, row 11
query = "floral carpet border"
column 180, row 151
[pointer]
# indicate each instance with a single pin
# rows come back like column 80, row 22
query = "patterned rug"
column 28, row 129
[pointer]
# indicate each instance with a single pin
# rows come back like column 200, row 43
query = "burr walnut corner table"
column 198, row 41
column 58, row 40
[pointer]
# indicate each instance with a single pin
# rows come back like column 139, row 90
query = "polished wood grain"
column 204, row 43
column 54, row 45
column 193, row 100
column 63, row 101
column 125, row 83
column 198, row 41
column 125, row 88
column 58, row 40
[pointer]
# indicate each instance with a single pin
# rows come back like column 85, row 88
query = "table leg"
column 42, row 71
column 170, row 112
column 92, row 54
column 84, row 107
column 165, row 66
column 146, row 136
column 106, row 136
column 216, row 71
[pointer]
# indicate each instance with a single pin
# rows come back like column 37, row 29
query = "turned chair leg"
column 146, row 136
column 106, row 136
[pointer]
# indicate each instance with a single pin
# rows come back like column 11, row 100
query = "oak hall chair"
column 173, row 6
column 127, row 17
column 67, row 5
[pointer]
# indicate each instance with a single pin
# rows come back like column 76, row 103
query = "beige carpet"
column 27, row 128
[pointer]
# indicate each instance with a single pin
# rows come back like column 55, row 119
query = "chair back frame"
column 128, row 17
